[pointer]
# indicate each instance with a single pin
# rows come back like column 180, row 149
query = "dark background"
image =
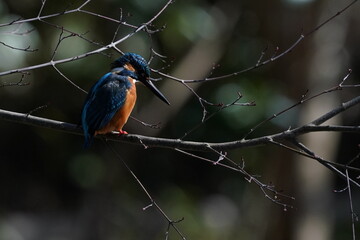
column 51, row 188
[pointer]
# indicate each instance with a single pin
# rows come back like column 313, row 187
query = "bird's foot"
column 122, row 132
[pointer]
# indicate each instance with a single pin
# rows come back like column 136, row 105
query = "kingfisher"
column 112, row 98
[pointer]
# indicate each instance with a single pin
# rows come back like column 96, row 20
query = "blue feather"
column 104, row 99
column 108, row 94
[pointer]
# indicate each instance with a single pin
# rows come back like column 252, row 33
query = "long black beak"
column 156, row 91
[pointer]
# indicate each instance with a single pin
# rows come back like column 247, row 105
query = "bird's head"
column 137, row 64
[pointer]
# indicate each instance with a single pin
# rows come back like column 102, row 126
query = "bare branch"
column 150, row 125
column 261, row 62
column 331, row 18
column 287, row 139
column 70, row 81
column 188, row 145
column 268, row 190
column 96, row 51
column 153, row 202
column 27, row 49
column 336, row 111
column 351, row 205
column 221, row 107
column 302, row 100
column 20, row 83
column 257, row 65
column 41, row 8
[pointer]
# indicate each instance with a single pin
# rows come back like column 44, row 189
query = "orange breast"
column 122, row 115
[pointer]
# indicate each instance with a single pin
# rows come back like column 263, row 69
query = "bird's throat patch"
column 129, row 67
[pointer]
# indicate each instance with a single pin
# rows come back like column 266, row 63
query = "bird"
column 111, row 99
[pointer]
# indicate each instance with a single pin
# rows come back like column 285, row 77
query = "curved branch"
column 40, row 18
column 248, row 69
column 190, row 145
column 111, row 45
column 261, row 62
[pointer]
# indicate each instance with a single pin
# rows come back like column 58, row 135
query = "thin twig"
column 221, row 107
column 144, row 189
column 261, row 62
column 20, row 83
column 302, row 100
column 27, row 49
column 96, row 51
column 68, row 79
column 265, row 188
column 352, row 213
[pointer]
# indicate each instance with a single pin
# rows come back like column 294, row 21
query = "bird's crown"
column 136, row 61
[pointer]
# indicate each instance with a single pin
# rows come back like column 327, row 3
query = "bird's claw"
column 121, row 132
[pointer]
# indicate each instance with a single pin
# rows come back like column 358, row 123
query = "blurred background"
column 51, row 188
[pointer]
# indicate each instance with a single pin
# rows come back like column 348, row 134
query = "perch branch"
column 289, row 134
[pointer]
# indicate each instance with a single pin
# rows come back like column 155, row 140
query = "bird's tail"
column 88, row 140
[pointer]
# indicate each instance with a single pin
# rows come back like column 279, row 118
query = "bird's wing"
column 105, row 98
